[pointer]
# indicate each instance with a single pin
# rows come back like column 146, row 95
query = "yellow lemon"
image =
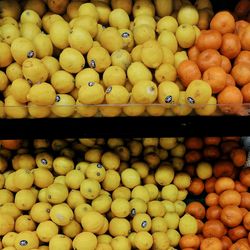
column 121, row 192
column 24, row 223
column 19, row 89
column 51, row 64
column 46, row 230
column 86, row 22
column 204, row 170
column 8, row 33
column 85, row 110
column 44, row 160
column 37, row 6
column 103, row 10
column 8, row 239
column 42, row 195
column 61, row 214
column 93, row 155
column 136, row 53
column 180, row 207
column 119, row 227
column 140, row 192
column 125, row 5
column 72, row 229
column 120, row 242
column 30, row 16
column 145, row 19
column 86, row 239
column 25, row 199
column 74, row 178
column 188, row 225
column 57, row 193
column 145, row 92
column 80, row 210
column 71, row 60
column 62, row 81
column 10, row 209
column 6, row 58
column 167, row 23
column 160, row 240
column 142, row 7
column 128, row 39
column 82, row 166
column 23, row 179
column 151, row 54
column 182, row 108
column 165, row 72
column 88, row 9
column 80, row 39
column 184, row 14
column 164, row 175
column 95, row 171
column 143, row 240
column 121, row 58
column 141, row 222
column 120, row 207
column 29, row 30
column 110, row 160
column 14, row 71
column 42, row 94
column 75, row 198
column 159, row 224
column 182, row 194
column 6, row 224
column 169, row 192
column 114, row 75
column 40, row 212
column 92, row 221
column 119, row 19
column 99, row 59
column 168, row 39
column 60, row 241
column 111, row 181
column 141, row 167
column 62, row 165
column 85, row 76
column 48, row 19
column 90, row 188
column 102, row 203
column 26, row 240
column 116, row 94
column 168, row 55
column 172, row 220
column 156, row 209
column 209, row 108
column 103, row 246
column 143, row 33
column 130, row 178
column 25, row 161
column 182, row 180
column 105, row 238
column 152, row 190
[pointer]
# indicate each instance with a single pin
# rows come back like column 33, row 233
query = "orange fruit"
column 242, row 8
column 230, row 80
column 226, row 64
column 211, row 243
column 238, row 156
column 230, row 99
column 230, row 46
column 243, row 56
column 209, row 58
column 241, row 73
column 193, row 53
column 245, row 38
column 223, row 22
column 245, row 90
column 216, row 77
column 209, row 39
column 214, row 228
column 231, row 216
column 188, row 71
column 11, row 144
column 240, row 26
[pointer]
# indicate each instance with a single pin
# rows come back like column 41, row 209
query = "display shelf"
column 125, row 127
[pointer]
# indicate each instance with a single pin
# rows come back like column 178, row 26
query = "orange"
column 193, row 53
column 11, row 144
column 230, row 46
column 212, row 199
column 214, row 228
column 240, row 26
column 231, row 216
column 189, row 241
column 230, row 80
column 245, row 38
column 245, row 90
column 211, row 243
column 216, row 77
column 238, row 156
column 226, row 64
column 242, row 8
column 243, row 56
column 188, row 71
column 196, row 209
column 209, row 58
column 224, row 183
column 241, row 73
column 213, row 212
column 209, row 39
column 229, row 197
column 223, row 22
column 230, row 99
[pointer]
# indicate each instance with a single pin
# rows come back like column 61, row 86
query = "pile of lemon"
column 94, row 194
column 107, row 57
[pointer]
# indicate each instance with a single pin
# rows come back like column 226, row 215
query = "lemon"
column 182, row 194
column 114, row 75
column 119, row 19
column 180, row 207
column 102, row 203
column 120, row 207
column 2, row 180
column 59, row 33
column 116, row 94
column 57, row 193
column 8, row 239
column 125, row 5
column 80, row 210
column 168, row 55
column 30, row 16
column 26, row 240
column 120, row 242
column 14, row 71
column 168, row 39
column 61, row 214
column 143, row 240
column 92, row 221
column 164, row 175
column 111, row 181
column 8, row 33
column 143, row 7
column 103, row 10
column 143, row 33
column 72, row 229
column 88, row 9
column 119, row 227
column 40, row 212
column 82, row 166
column 7, row 58
column 145, row 92
column 182, row 108
column 62, row 165
column 121, row 192
column 46, row 230
column 121, row 58
column 23, row 179
column 99, row 59
column 184, row 14
column 80, row 39
column 182, row 180
column 10, row 209
column 90, row 188
column 95, row 171
column 110, row 160
column 44, row 160
column 172, row 219
column 167, row 23
column 128, row 39
column 85, row 76
column 25, row 199
column 51, row 64
column 152, row 190
column 42, row 195
column 103, row 246
column 165, row 72
column 123, row 153
column 37, row 6
column 29, row 30
column 75, row 198
column 48, row 19
column 19, row 89
column 86, row 239
column 111, row 39
column 24, row 223
column 151, row 54
column 104, row 228
column 140, row 192
column 159, row 224
column 88, row 23
column 25, row 161
column 105, row 238
column 141, row 167
column 169, row 192
column 6, row 224
column 60, row 241
column 185, row 35
column 133, row 108
column 204, row 170
column 136, row 53
column 209, row 108
column 42, row 94
column 145, row 20
column 141, row 222
column 91, row 93
column 62, row 81
column 130, row 178
column 8, row 20
column 93, row 155
column 161, row 240
column 74, row 178
column 188, row 225
column 71, row 60
column 156, row 209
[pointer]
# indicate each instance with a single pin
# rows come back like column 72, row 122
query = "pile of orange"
column 221, row 56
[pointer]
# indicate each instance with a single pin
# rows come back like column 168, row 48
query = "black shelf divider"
column 124, row 127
